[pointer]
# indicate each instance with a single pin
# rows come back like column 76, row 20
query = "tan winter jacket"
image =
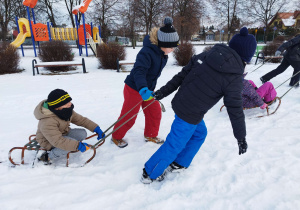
column 51, row 128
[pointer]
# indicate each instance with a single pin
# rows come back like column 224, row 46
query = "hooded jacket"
column 148, row 66
column 292, row 48
column 207, row 78
column 51, row 129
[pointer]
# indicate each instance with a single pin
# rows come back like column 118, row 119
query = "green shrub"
column 9, row 59
column 183, row 53
column 108, row 54
column 56, row 51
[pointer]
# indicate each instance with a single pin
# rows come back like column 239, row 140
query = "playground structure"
column 84, row 34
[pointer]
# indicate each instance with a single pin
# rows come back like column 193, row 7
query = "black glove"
column 242, row 146
column 158, row 95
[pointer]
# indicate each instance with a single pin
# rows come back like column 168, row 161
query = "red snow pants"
column 152, row 114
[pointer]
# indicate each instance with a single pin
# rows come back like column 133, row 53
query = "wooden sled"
column 34, row 146
column 267, row 108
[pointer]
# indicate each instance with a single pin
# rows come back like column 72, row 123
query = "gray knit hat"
column 167, row 35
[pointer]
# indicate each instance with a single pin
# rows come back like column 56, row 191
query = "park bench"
column 265, row 58
column 123, row 63
column 36, row 65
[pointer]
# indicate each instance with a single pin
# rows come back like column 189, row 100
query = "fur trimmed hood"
column 153, row 36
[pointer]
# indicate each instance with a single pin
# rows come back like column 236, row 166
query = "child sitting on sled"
column 257, row 97
column 54, row 134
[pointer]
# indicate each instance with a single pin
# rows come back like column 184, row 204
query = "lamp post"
column 275, row 28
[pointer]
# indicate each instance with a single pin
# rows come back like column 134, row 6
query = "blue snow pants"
column 181, row 146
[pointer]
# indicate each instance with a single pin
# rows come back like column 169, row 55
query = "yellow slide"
column 24, row 32
column 20, row 39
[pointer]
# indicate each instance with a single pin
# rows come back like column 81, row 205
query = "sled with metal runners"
column 33, row 145
column 267, row 108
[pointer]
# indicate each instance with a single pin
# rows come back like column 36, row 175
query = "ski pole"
column 289, row 89
column 34, row 158
column 101, row 140
column 288, row 79
column 263, row 63
column 115, row 122
column 122, row 116
column 162, row 106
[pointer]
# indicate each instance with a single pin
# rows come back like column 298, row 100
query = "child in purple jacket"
column 254, row 97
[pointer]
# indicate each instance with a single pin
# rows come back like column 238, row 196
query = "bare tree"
column 6, row 16
column 150, row 12
column 104, row 14
column 129, row 19
column 19, row 9
column 186, row 15
column 228, row 9
column 47, row 7
column 264, row 10
column 70, row 4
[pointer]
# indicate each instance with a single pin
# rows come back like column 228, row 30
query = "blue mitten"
column 99, row 132
column 146, row 94
column 82, row 147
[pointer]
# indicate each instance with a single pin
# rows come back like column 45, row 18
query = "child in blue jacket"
column 141, row 82
column 206, row 79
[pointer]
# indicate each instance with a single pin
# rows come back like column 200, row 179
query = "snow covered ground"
column 265, row 178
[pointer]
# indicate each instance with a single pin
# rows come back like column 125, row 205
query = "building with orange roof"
column 284, row 20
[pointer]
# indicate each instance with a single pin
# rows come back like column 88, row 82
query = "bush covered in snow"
column 9, row 59
column 56, row 51
column 183, row 53
column 109, row 53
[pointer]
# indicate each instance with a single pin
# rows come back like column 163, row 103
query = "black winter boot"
column 145, row 179
column 175, row 168
column 263, row 80
column 45, row 158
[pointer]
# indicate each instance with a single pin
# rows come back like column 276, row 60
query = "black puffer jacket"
column 292, row 48
column 207, row 78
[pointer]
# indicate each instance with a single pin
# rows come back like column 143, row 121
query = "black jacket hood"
column 224, row 59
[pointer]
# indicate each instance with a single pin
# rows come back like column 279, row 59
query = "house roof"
column 285, row 15
column 288, row 18
column 296, row 14
column 289, row 21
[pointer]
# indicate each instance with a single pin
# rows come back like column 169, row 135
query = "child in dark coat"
column 257, row 97
column 206, row 79
column 291, row 58
column 141, row 82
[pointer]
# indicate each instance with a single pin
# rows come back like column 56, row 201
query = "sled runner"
column 267, row 108
column 33, row 145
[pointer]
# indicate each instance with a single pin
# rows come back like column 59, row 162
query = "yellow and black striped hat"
column 57, row 98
